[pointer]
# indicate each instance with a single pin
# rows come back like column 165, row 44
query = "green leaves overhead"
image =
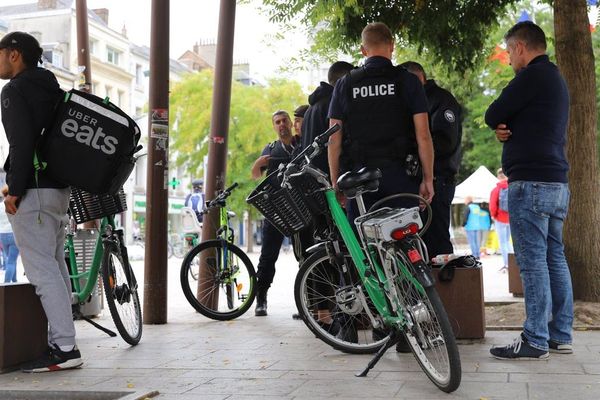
column 454, row 30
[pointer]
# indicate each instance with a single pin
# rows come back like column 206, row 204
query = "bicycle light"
column 401, row 233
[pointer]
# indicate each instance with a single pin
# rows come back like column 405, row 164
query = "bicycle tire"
column 121, row 295
column 179, row 249
column 204, row 256
column 169, row 250
column 314, row 288
column 431, row 323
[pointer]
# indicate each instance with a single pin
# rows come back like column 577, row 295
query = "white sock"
column 66, row 349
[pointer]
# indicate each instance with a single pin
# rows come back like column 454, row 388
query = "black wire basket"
column 85, row 206
column 289, row 210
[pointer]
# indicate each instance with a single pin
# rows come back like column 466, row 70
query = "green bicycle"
column 361, row 292
column 110, row 258
column 216, row 268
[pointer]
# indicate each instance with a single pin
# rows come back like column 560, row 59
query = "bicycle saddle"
column 354, row 183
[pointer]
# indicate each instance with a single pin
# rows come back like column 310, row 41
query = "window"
column 112, row 56
column 93, row 47
column 139, row 75
column 120, row 99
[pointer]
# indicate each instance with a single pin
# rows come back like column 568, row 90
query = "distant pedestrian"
column 9, row 247
column 499, row 213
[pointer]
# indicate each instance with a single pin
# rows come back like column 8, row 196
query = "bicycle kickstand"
column 393, row 338
column 78, row 315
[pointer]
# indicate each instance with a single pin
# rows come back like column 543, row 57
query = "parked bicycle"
column 361, row 291
column 110, row 259
column 217, row 277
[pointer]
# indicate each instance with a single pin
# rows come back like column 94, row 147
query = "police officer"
column 382, row 110
column 315, row 119
column 446, row 132
column 275, row 153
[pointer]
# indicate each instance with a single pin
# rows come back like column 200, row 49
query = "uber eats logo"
column 84, row 129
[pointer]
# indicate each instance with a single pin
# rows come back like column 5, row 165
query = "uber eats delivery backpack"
column 89, row 144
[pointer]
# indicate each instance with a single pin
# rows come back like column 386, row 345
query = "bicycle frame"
column 364, row 262
column 91, row 275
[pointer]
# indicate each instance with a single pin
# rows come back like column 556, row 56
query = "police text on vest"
column 383, row 89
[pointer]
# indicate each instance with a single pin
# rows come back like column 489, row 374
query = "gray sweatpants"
column 39, row 229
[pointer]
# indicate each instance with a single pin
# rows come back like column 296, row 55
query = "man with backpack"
column 195, row 200
column 499, row 212
column 36, row 204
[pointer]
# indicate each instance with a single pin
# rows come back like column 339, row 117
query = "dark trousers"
column 393, row 180
column 437, row 237
column 269, row 253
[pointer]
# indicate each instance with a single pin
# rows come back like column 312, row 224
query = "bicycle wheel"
column 178, row 249
column 170, row 251
column 120, row 288
column 218, row 267
column 323, row 290
column 430, row 338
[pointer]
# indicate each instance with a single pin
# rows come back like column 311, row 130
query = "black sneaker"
column 519, row 349
column 560, row 348
column 55, row 360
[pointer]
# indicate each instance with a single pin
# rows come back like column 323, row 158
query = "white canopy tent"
column 479, row 186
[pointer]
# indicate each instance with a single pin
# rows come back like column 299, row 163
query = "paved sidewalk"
column 276, row 357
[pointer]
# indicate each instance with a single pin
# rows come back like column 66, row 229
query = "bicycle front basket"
column 85, row 206
column 286, row 209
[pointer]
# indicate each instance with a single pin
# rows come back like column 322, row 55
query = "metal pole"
column 219, row 126
column 155, row 267
column 83, row 47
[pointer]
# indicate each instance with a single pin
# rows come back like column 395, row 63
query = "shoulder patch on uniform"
column 5, row 102
column 449, row 115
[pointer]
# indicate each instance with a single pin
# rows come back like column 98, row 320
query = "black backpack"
column 90, row 144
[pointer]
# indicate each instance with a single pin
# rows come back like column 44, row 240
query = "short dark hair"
column 337, row 70
column 280, row 112
column 526, row 31
column 413, row 66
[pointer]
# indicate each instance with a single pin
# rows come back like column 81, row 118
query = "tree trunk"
column 582, row 227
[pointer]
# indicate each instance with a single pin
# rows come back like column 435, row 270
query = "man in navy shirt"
column 530, row 119
column 382, row 111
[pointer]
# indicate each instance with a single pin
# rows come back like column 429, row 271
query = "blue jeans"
column 474, row 242
column 503, row 232
column 537, row 212
column 12, row 252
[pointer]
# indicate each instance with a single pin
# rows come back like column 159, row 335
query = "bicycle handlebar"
column 220, row 199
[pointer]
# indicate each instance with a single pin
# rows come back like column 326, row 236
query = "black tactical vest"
column 379, row 130
column 280, row 154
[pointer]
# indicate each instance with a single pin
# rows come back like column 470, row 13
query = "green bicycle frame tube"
column 361, row 260
column 91, row 275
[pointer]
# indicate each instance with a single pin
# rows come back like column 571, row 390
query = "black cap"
column 24, row 42
column 300, row 111
column 197, row 182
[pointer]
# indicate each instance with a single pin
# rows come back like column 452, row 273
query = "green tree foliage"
column 455, row 31
column 250, row 127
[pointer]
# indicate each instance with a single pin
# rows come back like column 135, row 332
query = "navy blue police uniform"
column 446, row 131
column 376, row 104
column 272, row 239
